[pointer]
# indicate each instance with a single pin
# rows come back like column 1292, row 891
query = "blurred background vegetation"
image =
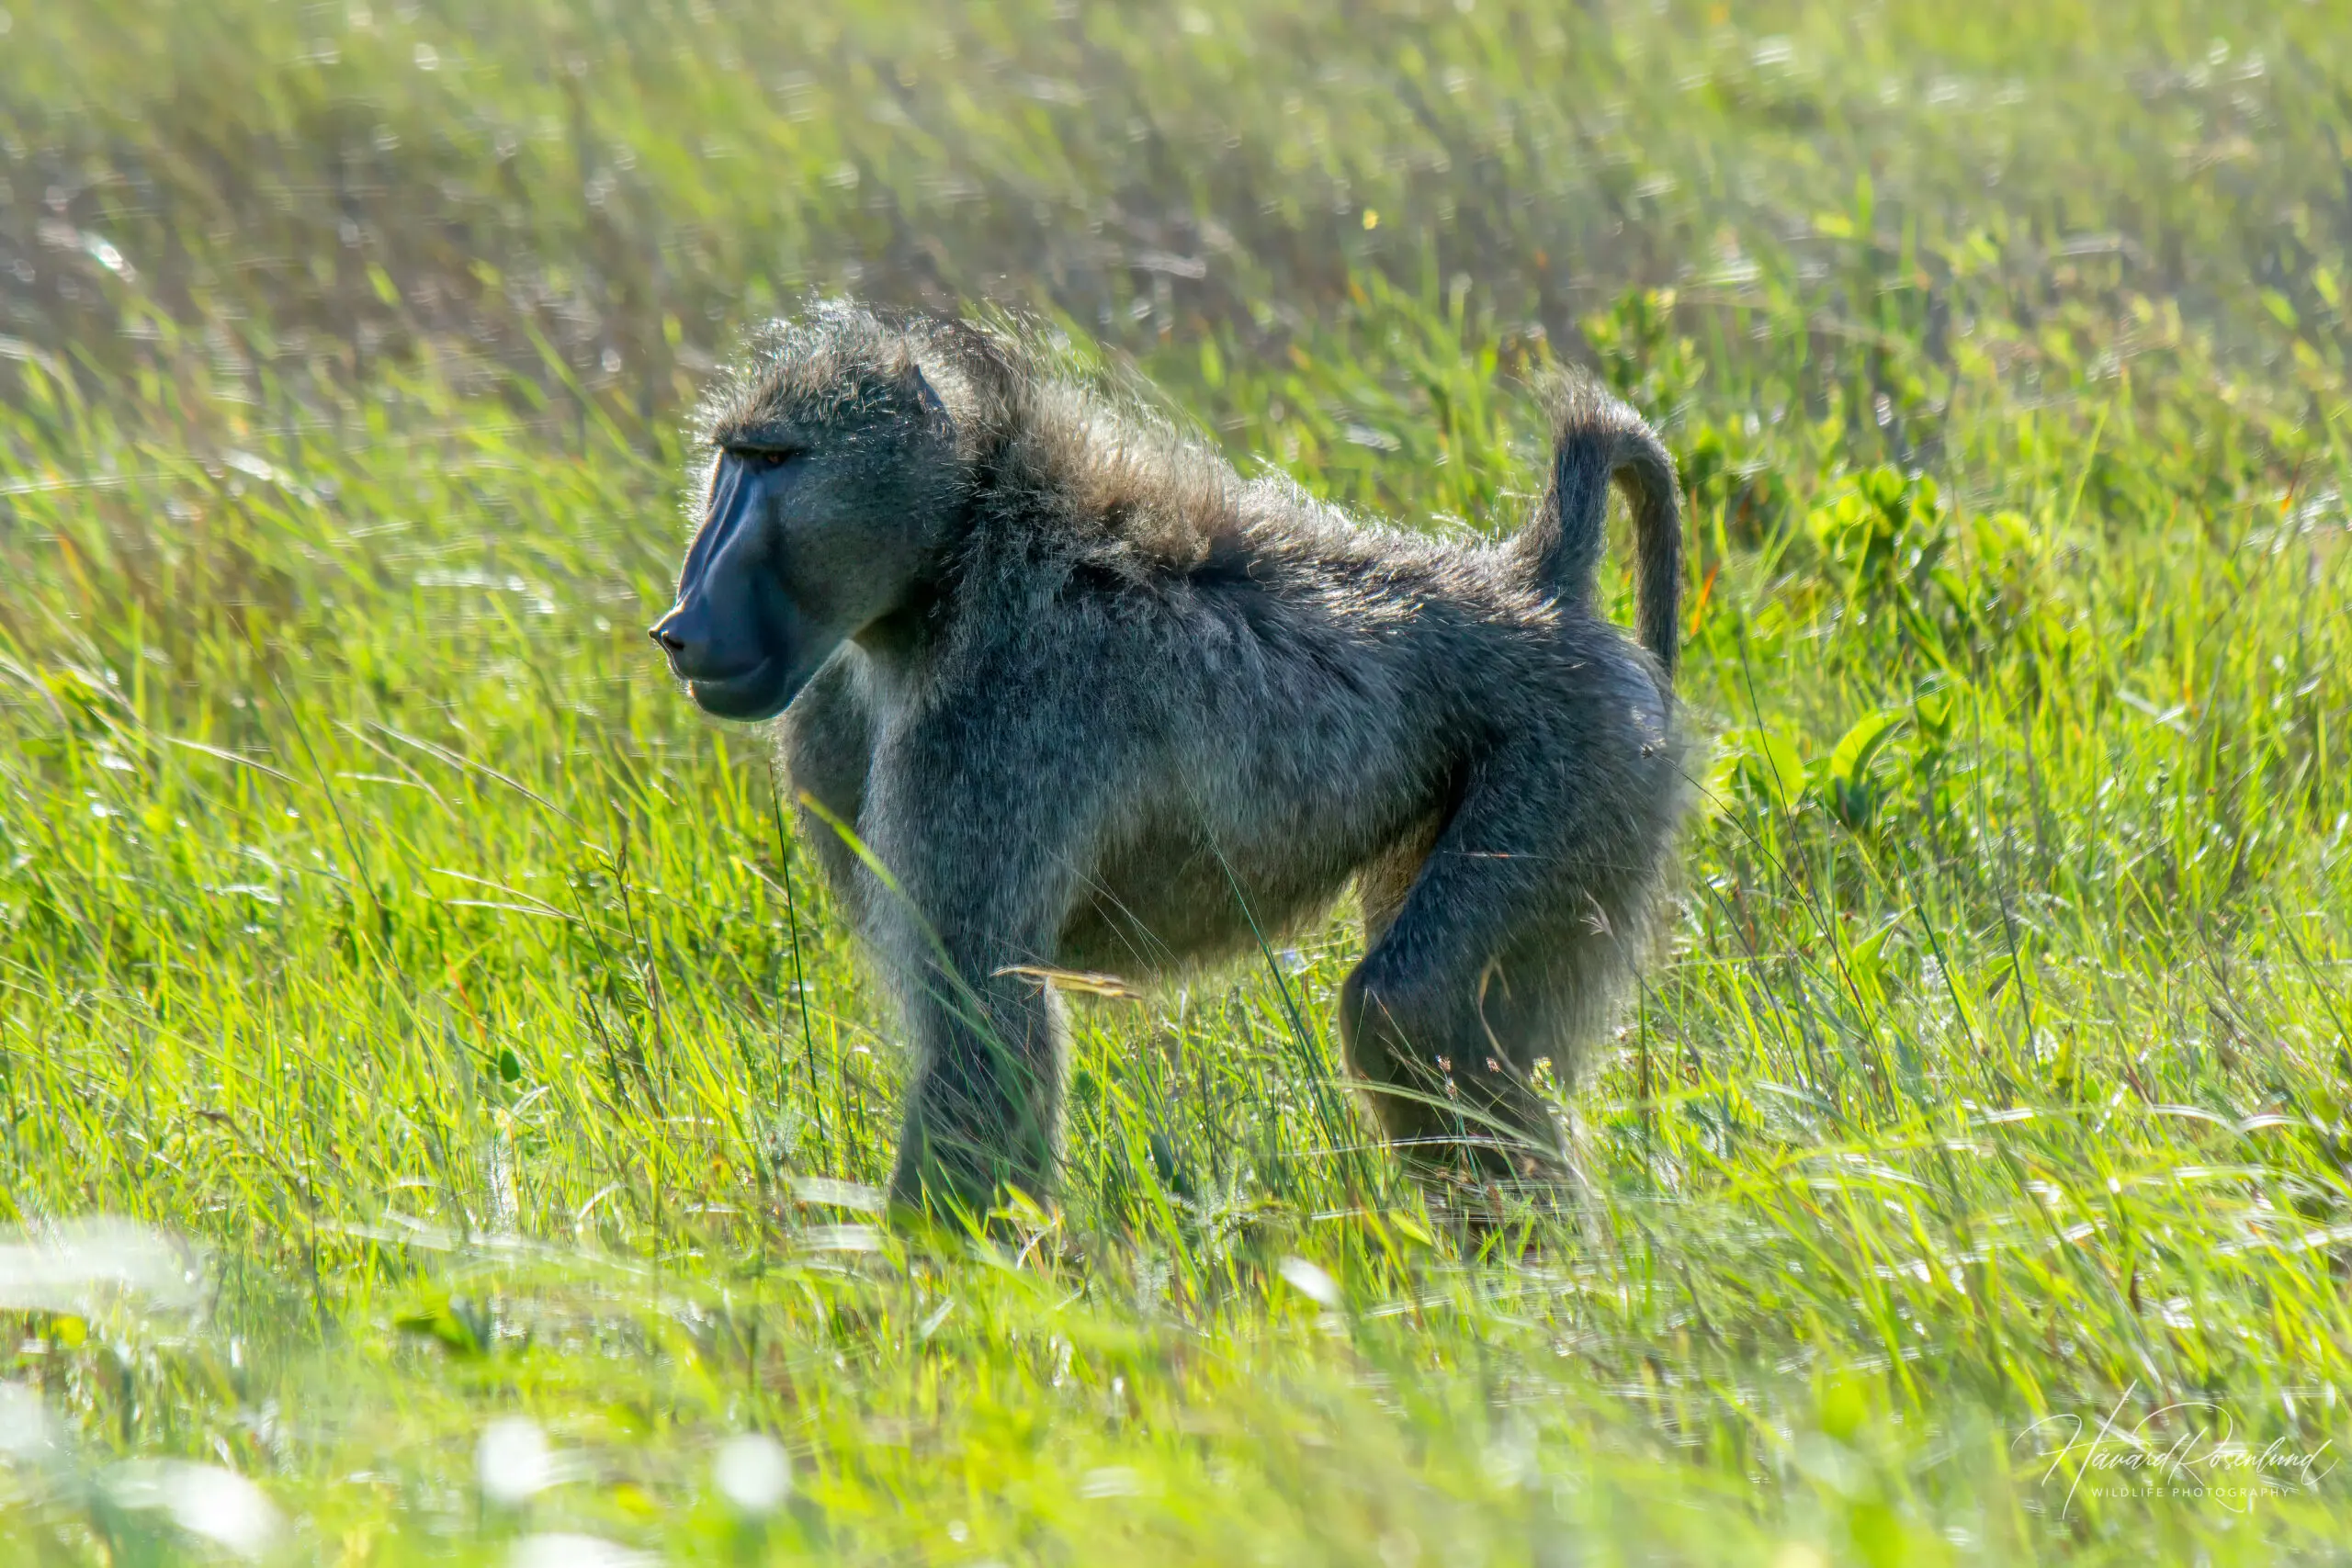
column 598, row 197
column 382, row 934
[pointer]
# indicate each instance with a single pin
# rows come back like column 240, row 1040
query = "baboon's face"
column 822, row 510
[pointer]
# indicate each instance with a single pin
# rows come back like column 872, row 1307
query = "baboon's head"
column 832, row 484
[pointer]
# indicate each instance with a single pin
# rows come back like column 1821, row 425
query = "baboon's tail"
column 1600, row 439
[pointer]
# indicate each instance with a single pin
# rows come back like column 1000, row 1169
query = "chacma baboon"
column 1092, row 702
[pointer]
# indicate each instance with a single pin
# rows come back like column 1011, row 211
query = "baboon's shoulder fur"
column 1061, row 448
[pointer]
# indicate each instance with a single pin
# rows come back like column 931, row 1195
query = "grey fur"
column 1096, row 702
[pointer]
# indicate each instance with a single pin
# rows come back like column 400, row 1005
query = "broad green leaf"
column 1771, row 765
column 1850, row 794
column 1851, row 759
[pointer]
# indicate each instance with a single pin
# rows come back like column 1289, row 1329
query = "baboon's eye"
column 761, row 459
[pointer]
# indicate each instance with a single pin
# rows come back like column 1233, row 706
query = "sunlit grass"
column 503, row 1098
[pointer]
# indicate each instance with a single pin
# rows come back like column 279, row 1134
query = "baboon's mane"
column 1040, row 422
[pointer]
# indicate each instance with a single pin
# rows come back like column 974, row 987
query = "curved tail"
column 1598, row 439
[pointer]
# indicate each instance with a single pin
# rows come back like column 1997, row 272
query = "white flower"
column 202, row 1499
column 29, row 1434
column 73, row 1267
column 513, row 1461
column 752, row 1472
column 574, row 1552
column 1311, row 1282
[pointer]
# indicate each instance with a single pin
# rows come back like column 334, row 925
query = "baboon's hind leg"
column 1382, row 886
column 1503, row 951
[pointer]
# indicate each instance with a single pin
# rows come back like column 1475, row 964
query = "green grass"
column 375, row 917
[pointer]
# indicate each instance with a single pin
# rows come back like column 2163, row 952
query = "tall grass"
column 374, row 917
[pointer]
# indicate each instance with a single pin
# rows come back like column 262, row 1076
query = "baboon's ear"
column 929, row 400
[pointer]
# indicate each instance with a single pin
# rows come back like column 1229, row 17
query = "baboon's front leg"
column 827, row 739
column 981, row 863
column 984, row 1107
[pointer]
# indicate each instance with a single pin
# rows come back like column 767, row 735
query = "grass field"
column 438, row 1090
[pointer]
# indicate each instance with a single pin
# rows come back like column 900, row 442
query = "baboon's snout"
column 685, row 635
column 726, row 667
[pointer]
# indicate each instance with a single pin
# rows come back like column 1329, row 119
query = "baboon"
column 1061, row 690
